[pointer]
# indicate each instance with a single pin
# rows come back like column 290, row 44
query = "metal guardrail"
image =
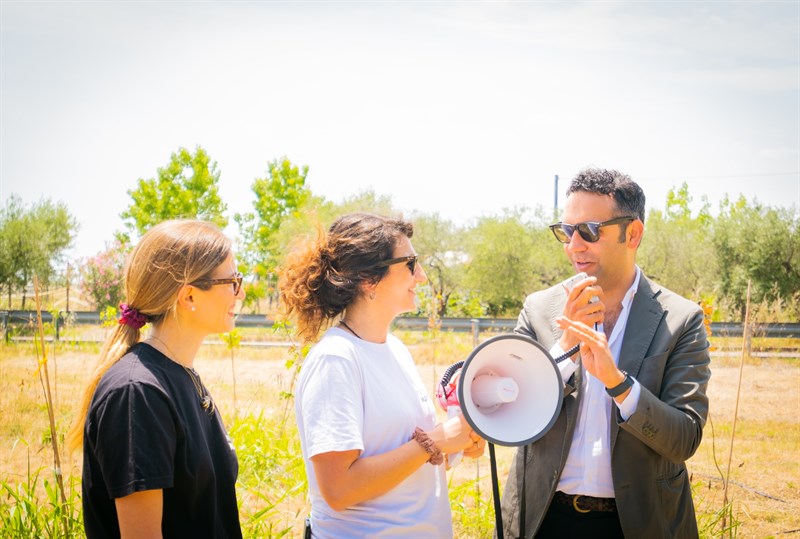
column 473, row 325
column 721, row 329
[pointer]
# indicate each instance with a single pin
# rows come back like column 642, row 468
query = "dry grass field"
column 765, row 466
column 764, row 488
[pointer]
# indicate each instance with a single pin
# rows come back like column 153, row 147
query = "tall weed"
column 714, row 522
column 473, row 513
column 24, row 514
column 272, row 481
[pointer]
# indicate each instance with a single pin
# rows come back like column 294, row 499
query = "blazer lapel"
column 559, row 299
column 646, row 313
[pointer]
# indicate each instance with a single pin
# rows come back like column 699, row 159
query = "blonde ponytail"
column 170, row 255
column 115, row 346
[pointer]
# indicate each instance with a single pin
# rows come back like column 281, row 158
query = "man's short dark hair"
column 627, row 194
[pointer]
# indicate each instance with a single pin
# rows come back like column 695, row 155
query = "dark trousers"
column 564, row 522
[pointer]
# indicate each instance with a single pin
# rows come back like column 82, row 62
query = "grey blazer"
column 666, row 350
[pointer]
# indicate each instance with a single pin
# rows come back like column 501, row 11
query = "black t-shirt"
column 146, row 430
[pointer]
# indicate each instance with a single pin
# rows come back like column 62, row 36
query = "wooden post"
column 68, row 268
column 745, row 332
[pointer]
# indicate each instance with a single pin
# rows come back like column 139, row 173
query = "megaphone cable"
column 498, row 519
column 448, row 374
column 569, row 353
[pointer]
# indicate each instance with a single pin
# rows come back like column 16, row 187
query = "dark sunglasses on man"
column 410, row 262
column 236, row 281
column 589, row 231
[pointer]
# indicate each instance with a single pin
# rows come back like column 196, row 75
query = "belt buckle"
column 575, row 504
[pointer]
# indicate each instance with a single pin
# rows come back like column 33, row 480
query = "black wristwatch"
column 621, row 388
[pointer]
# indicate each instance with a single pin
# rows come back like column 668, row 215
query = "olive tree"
column 33, row 240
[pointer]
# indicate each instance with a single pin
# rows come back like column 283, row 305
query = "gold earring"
column 372, row 295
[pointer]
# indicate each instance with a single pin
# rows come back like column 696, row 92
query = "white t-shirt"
column 353, row 394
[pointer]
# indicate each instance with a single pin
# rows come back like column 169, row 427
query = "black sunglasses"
column 589, row 231
column 410, row 261
column 236, row 281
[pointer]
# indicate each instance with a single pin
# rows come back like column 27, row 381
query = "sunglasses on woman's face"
column 589, row 231
column 410, row 262
column 236, row 281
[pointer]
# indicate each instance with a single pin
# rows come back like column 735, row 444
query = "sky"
column 465, row 109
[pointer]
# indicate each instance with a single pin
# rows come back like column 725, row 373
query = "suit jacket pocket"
column 676, row 501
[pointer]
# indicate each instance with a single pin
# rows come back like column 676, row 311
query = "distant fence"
column 472, row 325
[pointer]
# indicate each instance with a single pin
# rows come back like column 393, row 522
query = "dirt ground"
column 764, row 484
column 764, row 487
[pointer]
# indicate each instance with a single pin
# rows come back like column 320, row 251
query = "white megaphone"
column 510, row 390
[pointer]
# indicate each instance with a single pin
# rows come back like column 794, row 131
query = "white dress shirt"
column 588, row 467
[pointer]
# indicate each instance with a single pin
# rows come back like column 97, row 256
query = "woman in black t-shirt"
column 157, row 461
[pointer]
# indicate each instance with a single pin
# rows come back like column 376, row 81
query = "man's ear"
column 635, row 233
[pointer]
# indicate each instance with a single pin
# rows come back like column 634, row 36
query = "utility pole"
column 555, row 198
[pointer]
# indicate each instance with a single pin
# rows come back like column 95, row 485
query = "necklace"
column 206, row 402
column 205, row 397
column 342, row 322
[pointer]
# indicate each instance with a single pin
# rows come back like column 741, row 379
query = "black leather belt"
column 585, row 504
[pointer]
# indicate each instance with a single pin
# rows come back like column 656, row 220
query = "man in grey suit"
column 613, row 464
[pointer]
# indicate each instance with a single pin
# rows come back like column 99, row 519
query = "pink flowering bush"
column 103, row 276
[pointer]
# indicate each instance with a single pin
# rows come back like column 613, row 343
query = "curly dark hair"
column 627, row 194
column 322, row 278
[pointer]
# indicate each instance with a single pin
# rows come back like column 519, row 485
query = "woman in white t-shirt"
column 372, row 447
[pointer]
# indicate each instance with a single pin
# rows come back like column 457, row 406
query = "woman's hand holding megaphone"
column 478, row 446
column 456, row 435
column 447, row 396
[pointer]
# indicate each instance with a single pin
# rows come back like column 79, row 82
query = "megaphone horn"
column 510, row 390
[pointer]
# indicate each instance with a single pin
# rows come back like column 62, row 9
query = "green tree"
column 759, row 244
column 510, row 257
column 188, row 187
column 440, row 246
column 13, row 245
column 317, row 214
column 367, row 201
column 677, row 249
column 278, row 198
column 34, row 239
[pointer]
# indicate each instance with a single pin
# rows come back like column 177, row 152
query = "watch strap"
column 620, row 388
